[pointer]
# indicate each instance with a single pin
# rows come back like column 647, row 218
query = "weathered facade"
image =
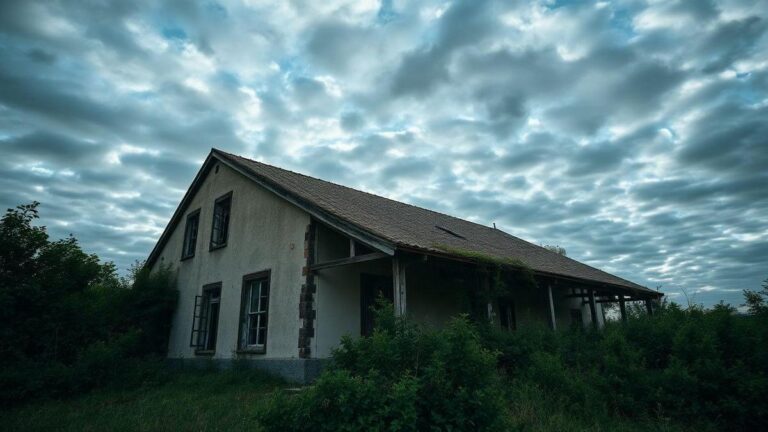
column 276, row 267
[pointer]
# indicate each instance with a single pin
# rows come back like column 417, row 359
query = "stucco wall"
column 265, row 233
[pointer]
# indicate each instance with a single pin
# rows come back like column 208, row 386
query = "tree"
column 66, row 319
column 755, row 301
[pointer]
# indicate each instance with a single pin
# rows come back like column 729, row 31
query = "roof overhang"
column 637, row 292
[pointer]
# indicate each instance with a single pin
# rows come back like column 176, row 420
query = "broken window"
column 205, row 322
column 220, row 227
column 255, row 304
column 190, row 235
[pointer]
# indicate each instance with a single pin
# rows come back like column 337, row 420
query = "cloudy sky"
column 632, row 133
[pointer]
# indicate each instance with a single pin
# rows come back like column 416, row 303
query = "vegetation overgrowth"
column 69, row 326
column 703, row 368
column 68, row 323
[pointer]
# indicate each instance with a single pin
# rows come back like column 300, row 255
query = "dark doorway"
column 371, row 287
column 507, row 317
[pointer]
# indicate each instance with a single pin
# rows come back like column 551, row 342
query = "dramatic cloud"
column 633, row 133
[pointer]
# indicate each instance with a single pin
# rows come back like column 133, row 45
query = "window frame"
column 203, row 314
column 213, row 246
column 243, row 326
column 185, row 244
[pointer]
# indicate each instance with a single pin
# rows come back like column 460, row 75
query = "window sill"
column 188, row 257
column 252, row 351
column 205, row 352
column 214, row 247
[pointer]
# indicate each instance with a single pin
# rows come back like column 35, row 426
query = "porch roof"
column 407, row 227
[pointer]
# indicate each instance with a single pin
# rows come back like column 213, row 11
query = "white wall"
column 265, row 233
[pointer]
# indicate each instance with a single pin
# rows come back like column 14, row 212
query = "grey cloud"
column 352, row 121
column 730, row 137
column 172, row 167
column 729, row 42
column 597, row 158
column 468, row 113
column 465, row 22
column 332, row 45
column 53, row 148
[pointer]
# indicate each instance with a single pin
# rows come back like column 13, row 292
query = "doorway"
column 371, row 287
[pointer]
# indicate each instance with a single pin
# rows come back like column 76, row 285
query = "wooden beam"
column 623, row 309
column 348, row 260
column 552, row 322
column 398, row 285
column 593, row 308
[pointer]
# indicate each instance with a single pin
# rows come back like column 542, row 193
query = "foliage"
column 170, row 400
column 692, row 365
column 67, row 322
column 506, row 275
column 556, row 249
column 706, row 368
column 755, row 301
column 403, row 377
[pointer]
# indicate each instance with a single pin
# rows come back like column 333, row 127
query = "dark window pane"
column 254, row 297
column 262, row 335
column 190, row 235
column 220, row 225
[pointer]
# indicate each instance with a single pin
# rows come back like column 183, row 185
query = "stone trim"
column 307, row 312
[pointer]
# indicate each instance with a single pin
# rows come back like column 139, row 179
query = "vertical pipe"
column 593, row 308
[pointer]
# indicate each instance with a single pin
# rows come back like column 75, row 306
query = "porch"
column 430, row 289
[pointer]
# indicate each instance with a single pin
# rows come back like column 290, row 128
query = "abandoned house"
column 276, row 266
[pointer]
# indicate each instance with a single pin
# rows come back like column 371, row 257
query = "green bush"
column 68, row 323
column 691, row 365
column 403, row 377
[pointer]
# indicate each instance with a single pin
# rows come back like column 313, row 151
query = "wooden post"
column 552, row 322
column 486, row 288
column 593, row 308
column 623, row 309
column 649, row 306
column 398, row 286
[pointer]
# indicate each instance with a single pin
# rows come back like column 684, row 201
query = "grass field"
column 229, row 400
column 186, row 401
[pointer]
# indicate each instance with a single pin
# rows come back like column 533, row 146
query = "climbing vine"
column 506, row 276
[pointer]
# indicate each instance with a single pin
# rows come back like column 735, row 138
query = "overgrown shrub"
column 67, row 321
column 704, row 368
column 689, row 365
column 403, row 377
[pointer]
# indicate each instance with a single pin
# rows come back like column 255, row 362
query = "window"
column 507, row 317
column 220, row 228
column 254, row 307
column 205, row 321
column 190, row 235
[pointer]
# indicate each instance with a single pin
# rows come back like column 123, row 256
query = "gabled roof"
column 389, row 225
